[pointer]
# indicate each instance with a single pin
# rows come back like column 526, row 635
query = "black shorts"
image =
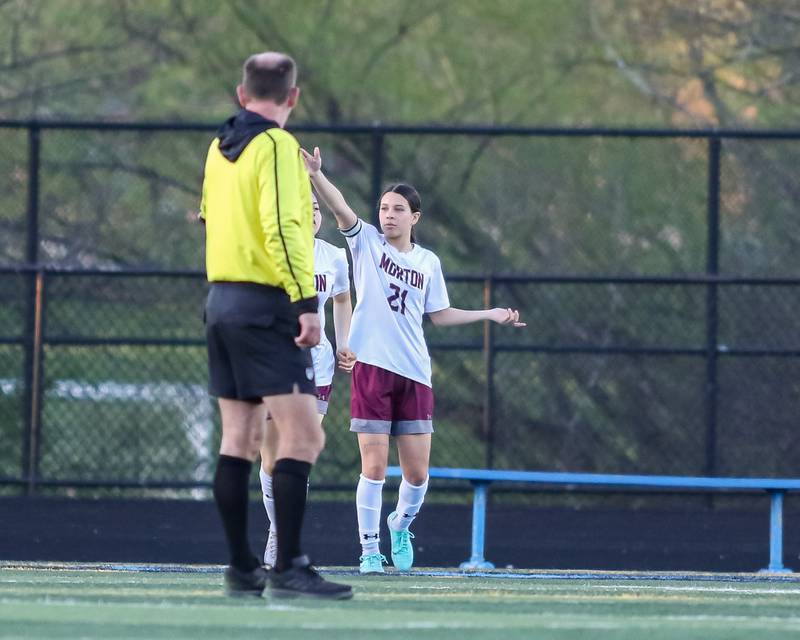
column 250, row 332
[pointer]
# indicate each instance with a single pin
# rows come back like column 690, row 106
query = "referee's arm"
column 287, row 221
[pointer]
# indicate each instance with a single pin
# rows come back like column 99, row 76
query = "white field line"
column 549, row 587
column 522, row 620
column 516, row 595
column 697, row 589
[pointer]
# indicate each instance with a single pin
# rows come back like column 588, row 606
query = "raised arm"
column 451, row 316
column 328, row 193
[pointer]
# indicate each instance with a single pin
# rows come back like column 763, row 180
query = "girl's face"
column 396, row 216
column 317, row 214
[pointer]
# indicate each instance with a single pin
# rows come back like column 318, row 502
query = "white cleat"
column 271, row 552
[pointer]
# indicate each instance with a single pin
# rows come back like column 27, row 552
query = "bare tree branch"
column 26, row 63
column 150, row 37
column 404, row 29
column 263, row 27
column 119, row 166
column 632, row 74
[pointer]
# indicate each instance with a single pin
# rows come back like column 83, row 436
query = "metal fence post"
column 32, row 314
column 377, row 175
column 712, row 317
column 477, row 559
column 488, row 364
column 37, row 376
column 776, row 534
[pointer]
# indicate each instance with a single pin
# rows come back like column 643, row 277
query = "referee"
column 261, row 318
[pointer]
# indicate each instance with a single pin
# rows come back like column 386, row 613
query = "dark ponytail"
column 410, row 194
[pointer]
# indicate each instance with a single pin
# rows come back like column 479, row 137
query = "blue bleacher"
column 481, row 479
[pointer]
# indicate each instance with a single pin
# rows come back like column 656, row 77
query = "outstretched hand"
column 506, row 316
column 313, row 163
column 346, row 359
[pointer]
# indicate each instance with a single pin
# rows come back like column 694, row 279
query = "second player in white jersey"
column 397, row 282
column 332, row 279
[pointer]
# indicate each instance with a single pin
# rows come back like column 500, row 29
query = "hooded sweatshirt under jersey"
column 257, row 209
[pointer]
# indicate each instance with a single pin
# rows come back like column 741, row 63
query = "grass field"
column 38, row 601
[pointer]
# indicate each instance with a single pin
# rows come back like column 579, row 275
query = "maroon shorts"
column 385, row 402
column 323, row 395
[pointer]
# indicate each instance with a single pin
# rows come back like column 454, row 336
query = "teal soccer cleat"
column 372, row 563
column 402, row 549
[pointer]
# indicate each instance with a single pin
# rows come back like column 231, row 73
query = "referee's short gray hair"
column 269, row 76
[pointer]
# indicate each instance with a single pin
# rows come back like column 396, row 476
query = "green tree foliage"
column 730, row 62
column 491, row 204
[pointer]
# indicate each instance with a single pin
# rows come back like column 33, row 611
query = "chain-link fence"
column 685, row 360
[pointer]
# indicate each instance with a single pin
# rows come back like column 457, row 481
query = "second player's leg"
column 268, row 449
column 269, row 445
column 300, row 440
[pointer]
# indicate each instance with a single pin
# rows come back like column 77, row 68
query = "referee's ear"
column 293, row 97
column 241, row 95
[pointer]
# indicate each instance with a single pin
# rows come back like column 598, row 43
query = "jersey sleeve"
column 341, row 282
column 436, row 297
column 359, row 235
column 287, row 219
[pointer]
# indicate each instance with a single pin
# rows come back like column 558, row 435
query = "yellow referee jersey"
column 257, row 208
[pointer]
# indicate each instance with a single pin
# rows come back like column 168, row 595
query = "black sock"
column 231, row 492
column 289, row 487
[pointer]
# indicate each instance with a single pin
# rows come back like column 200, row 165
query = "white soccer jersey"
column 331, row 278
column 393, row 291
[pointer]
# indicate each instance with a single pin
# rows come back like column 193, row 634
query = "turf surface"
column 91, row 601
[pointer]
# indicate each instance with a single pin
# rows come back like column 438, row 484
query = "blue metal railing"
column 481, row 479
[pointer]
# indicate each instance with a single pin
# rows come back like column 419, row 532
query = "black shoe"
column 302, row 581
column 245, row 583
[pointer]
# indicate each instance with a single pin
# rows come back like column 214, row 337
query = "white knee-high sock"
column 369, row 497
column 409, row 501
column 267, row 497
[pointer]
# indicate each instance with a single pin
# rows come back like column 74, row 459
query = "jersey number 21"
column 392, row 299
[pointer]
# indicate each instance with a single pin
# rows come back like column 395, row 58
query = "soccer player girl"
column 332, row 280
column 396, row 282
